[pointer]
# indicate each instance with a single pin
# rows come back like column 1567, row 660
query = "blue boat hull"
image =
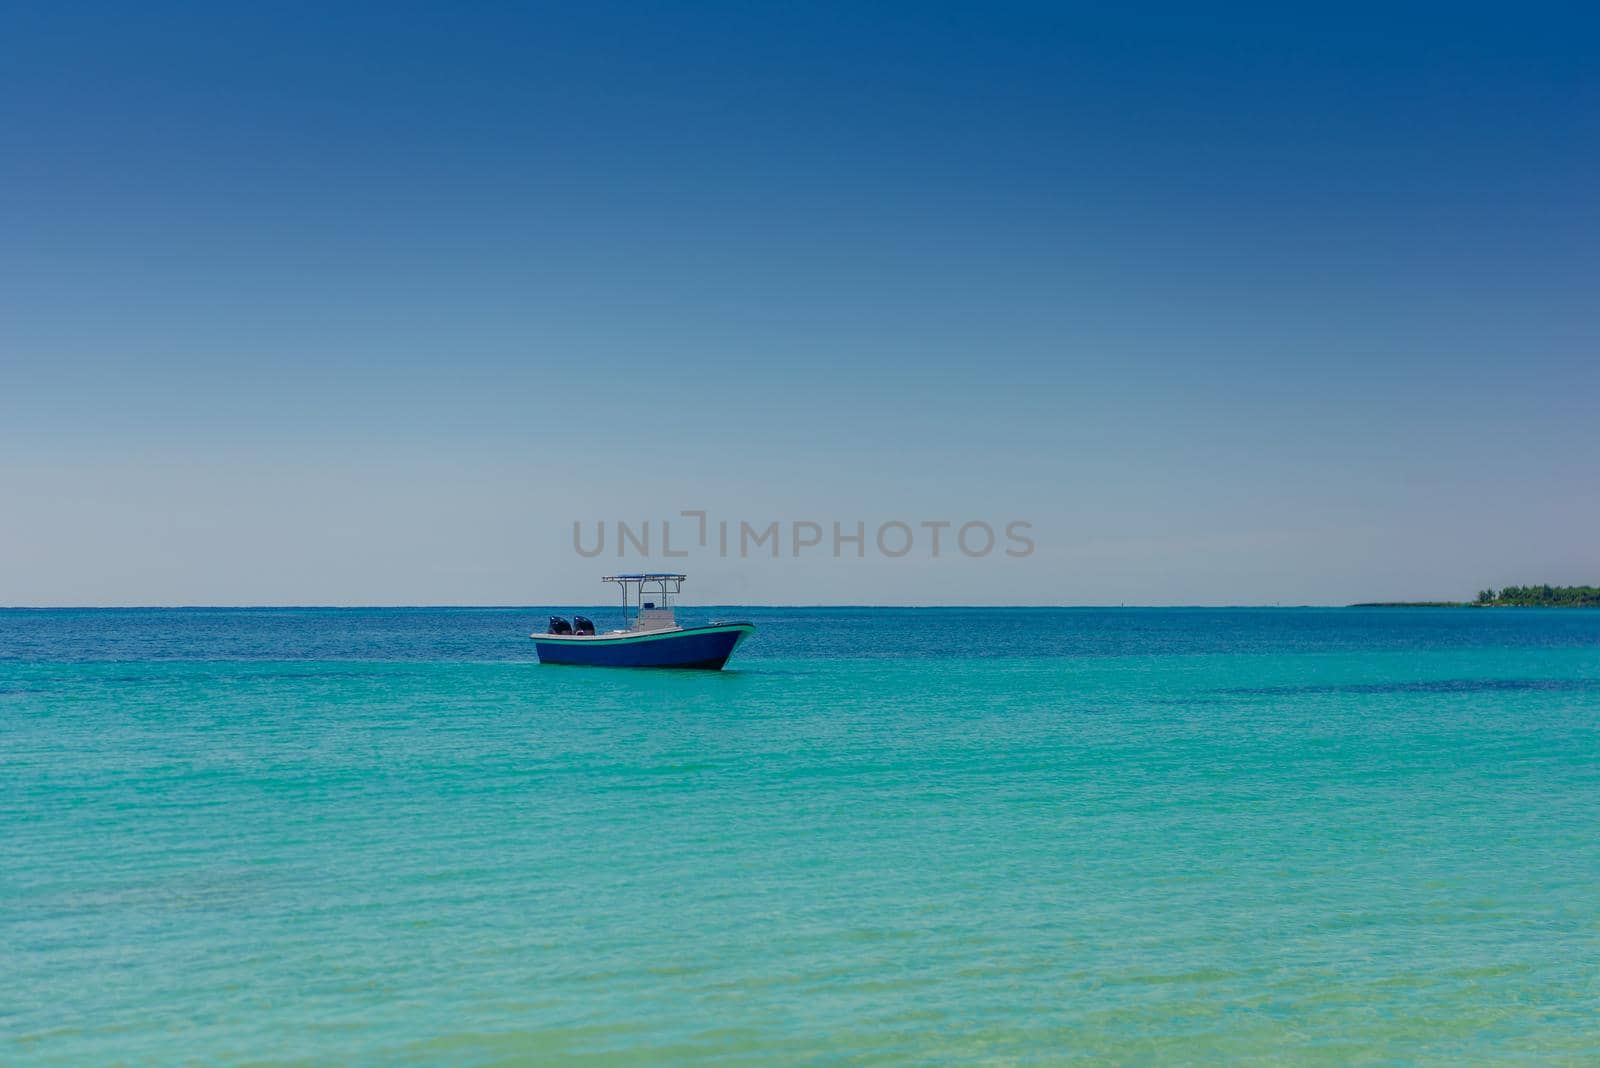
column 692, row 647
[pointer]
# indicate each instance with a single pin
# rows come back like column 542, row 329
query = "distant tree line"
column 1547, row 596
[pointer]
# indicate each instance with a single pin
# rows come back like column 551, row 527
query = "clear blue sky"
column 1244, row 305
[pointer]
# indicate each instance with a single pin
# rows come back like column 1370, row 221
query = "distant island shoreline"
column 1509, row 597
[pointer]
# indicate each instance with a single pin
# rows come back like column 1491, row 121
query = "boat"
column 650, row 634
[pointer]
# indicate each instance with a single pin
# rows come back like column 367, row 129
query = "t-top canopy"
column 634, row 586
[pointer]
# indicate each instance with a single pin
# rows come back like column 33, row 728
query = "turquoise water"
column 975, row 836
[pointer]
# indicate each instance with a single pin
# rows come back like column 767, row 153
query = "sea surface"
column 883, row 836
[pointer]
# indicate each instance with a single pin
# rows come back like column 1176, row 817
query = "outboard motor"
column 582, row 625
column 559, row 626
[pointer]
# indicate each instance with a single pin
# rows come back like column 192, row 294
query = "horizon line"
column 562, row 604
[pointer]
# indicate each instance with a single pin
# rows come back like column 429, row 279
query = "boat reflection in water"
column 650, row 636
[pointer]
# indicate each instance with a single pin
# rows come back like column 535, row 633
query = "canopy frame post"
column 636, row 582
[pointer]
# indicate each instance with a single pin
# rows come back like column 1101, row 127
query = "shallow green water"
column 1321, row 847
